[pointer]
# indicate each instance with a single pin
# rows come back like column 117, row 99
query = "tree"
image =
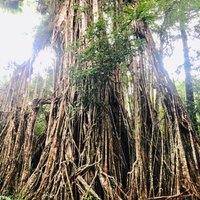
column 181, row 12
column 116, row 127
column 188, row 79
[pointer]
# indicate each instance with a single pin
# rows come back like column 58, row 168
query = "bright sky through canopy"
column 16, row 36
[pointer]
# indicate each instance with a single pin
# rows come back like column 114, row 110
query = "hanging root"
column 129, row 138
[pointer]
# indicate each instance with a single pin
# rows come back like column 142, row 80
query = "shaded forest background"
column 106, row 122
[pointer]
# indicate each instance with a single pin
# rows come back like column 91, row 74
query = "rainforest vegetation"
column 107, row 122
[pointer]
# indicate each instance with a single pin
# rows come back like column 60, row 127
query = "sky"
column 176, row 59
column 17, row 35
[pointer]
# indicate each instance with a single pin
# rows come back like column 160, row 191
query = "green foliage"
column 80, row 9
column 196, row 89
column 12, row 197
column 180, row 85
column 5, row 198
column 177, row 12
column 41, row 123
column 146, row 11
column 107, row 49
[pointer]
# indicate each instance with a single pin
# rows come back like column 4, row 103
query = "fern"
column 146, row 11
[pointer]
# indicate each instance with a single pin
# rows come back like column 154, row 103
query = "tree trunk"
column 106, row 138
column 188, row 78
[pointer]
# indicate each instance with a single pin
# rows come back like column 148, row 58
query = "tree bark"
column 188, row 78
column 103, row 148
